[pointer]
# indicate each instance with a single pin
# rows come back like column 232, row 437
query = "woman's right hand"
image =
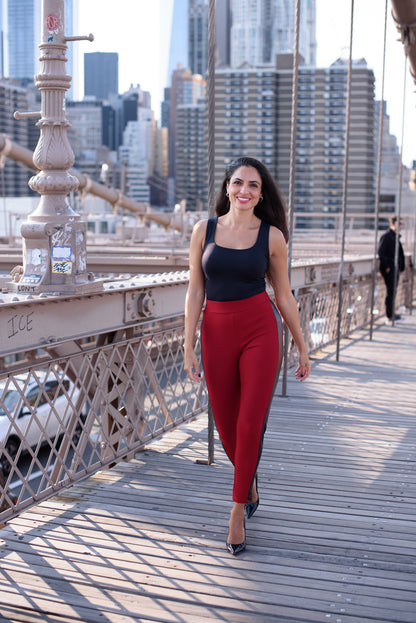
column 191, row 366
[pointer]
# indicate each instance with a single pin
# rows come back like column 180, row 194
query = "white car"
column 35, row 411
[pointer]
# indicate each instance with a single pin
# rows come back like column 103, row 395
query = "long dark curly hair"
column 272, row 209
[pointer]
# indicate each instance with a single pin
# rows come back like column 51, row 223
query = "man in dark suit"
column 386, row 253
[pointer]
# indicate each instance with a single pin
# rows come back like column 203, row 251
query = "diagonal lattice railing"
column 66, row 419
column 63, row 418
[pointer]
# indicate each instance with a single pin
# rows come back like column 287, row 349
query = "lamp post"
column 54, row 236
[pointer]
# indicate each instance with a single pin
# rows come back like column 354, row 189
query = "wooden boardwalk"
column 333, row 540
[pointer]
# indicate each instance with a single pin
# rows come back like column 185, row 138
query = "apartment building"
column 253, row 117
column 191, row 156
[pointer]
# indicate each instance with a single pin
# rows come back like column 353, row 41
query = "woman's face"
column 244, row 188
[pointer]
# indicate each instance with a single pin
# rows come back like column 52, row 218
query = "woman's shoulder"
column 276, row 237
column 200, row 229
column 201, row 226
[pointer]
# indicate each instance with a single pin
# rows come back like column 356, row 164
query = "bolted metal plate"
column 139, row 305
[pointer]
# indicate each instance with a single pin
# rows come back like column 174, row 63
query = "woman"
column 230, row 257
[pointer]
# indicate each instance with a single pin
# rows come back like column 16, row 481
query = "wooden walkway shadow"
column 333, row 539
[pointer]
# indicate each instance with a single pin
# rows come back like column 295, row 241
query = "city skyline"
column 20, row 26
column 141, row 30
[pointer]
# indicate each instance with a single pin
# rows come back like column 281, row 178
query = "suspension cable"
column 412, row 272
column 399, row 197
column 295, row 81
column 211, row 168
column 378, row 178
column 344, row 193
column 211, row 106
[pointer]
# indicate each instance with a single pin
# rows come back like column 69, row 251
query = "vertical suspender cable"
column 378, row 178
column 211, row 167
column 412, row 274
column 211, row 106
column 295, row 80
column 345, row 194
column 399, row 196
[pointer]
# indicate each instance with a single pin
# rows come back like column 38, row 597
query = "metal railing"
column 63, row 418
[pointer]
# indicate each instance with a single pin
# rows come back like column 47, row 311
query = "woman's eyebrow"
column 238, row 179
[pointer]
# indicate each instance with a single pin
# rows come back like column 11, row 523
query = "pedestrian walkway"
column 333, row 539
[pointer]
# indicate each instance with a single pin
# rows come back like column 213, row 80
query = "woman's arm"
column 194, row 300
column 285, row 300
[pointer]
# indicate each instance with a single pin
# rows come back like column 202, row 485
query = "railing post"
column 54, row 237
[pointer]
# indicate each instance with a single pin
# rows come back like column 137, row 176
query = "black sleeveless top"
column 235, row 274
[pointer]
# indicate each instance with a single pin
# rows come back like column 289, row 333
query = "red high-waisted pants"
column 240, row 353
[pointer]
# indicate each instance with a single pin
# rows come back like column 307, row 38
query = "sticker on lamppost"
column 61, row 260
column 52, row 22
column 52, row 25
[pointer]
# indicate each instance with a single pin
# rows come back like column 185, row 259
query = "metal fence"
column 65, row 418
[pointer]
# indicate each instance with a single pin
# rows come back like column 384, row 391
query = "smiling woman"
column 244, row 189
column 230, row 257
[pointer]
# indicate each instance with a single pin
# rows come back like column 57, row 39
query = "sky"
column 139, row 31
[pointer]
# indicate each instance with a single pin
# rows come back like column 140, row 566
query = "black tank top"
column 234, row 274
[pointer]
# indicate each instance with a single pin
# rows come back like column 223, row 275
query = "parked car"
column 34, row 411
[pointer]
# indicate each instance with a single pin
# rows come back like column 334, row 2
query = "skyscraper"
column 136, row 153
column 2, row 40
column 71, row 28
column 283, row 32
column 100, row 74
column 251, row 24
column 186, row 89
column 253, row 117
column 13, row 97
column 191, row 179
column 21, row 33
column 261, row 29
column 222, row 31
column 23, row 26
column 198, row 36
column 189, row 34
column 178, row 46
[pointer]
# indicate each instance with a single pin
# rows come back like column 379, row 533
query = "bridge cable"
column 378, row 177
column 399, row 197
column 412, row 272
column 292, row 171
column 345, row 182
column 211, row 169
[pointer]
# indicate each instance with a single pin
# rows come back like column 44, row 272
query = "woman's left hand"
column 304, row 368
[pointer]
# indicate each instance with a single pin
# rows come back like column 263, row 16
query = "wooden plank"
column 333, row 539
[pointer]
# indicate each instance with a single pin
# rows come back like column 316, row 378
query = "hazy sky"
column 139, row 31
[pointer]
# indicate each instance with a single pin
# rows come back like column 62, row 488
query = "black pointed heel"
column 236, row 549
column 251, row 507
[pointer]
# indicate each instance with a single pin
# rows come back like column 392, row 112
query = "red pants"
column 240, row 352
